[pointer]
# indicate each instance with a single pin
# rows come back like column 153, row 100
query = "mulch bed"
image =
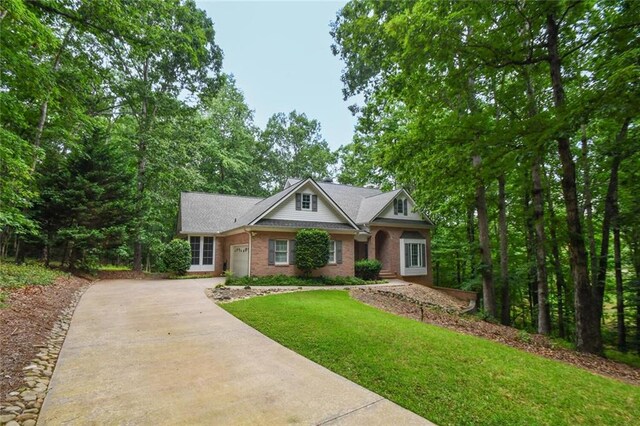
column 25, row 323
column 533, row 343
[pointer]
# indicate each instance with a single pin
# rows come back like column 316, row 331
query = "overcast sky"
column 279, row 53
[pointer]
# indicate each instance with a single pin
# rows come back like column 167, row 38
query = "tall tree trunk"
column 588, row 334
column 532, row 280
column 622, row 332
column 471, row 239
column 44, row 108
column 488, row 293
column 505, row 305
column 557, row 266
column 141, row 169
column 609, row 216
column 588, row 207
column 544, row 315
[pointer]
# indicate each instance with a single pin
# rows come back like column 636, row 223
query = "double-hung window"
column 400, row 204
column 332, row 252
column 415, row 255
column 282, row 252
column 207, row 251
column 195, row 250
column 306, row 202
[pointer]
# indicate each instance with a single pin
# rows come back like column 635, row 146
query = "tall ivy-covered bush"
column 177, row 256
column 312, row 249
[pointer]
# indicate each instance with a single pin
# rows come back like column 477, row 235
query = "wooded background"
column 513, row 124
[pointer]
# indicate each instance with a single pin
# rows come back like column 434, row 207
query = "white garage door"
column 240, row 260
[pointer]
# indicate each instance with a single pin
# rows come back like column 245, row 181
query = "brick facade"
column 384, row 245
column 260, row 256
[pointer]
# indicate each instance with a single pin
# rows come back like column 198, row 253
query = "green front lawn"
column 286, row 280
column 444, row 376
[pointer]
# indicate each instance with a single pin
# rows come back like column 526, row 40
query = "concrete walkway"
column 160, row 352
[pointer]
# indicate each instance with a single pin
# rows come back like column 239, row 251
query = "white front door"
column 240, row 260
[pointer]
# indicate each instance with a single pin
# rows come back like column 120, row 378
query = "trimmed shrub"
column 286, row 280
column 312, row 249
column 368, row 269
column 177, row 256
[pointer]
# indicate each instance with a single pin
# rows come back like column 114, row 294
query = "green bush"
column 177, row 256
column 312, row 249
column 368, row 269
column 286, row 280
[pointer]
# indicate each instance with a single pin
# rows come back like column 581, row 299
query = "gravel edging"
column 21, row 407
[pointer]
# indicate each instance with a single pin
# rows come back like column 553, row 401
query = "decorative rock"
column 29, row 396
column 27, row 401
column 6, row 418
column 26, row 416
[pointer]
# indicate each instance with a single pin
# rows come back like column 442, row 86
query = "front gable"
column 308, row 203
column 401, row 207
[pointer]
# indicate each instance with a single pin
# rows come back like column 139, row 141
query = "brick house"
column 256, row 236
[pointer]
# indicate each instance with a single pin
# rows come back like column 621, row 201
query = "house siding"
column 411, row 215
column 260, row 254
column 287, row 210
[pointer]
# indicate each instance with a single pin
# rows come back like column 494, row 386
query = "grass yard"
column 286, row 280
column 14, row 276
column 446, row 377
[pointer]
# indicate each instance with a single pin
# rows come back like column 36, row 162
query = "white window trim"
column 419, row 258
column 412, row 270
column 332, row 261
column 200, row 267
column 308, row 209
column 275, row 253
column 400, row 206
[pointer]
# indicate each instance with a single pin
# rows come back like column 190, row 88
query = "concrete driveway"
column 160, row 352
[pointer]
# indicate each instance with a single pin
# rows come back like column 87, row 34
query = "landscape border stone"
column 21, row 407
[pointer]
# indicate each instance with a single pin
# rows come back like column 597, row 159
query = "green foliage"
column 443, row 81
column 312, row 249
column 177, row 256
column 18, row 276
column 368, row 269
column 295, row 148
column 286, row 280
column 414, row 364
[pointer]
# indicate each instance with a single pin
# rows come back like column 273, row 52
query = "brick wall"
column 260, row 256
column 242, row 238
column 390, row 251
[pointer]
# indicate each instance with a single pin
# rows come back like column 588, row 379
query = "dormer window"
column 306, row 201
column 400, row 206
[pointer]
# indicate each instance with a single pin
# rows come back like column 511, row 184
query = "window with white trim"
column 400, row 203
column 195, row 250
column 332, row 252
column 306, row 202
column 281, row 252
column 207, row 251
column 415, row 255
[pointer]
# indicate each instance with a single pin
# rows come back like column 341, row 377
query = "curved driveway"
column 160, row 352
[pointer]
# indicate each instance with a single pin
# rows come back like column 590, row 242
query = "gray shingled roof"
column 349, row 198
column 371, row 206
column 209, row 213
column 303, row 224
column 264, row 205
